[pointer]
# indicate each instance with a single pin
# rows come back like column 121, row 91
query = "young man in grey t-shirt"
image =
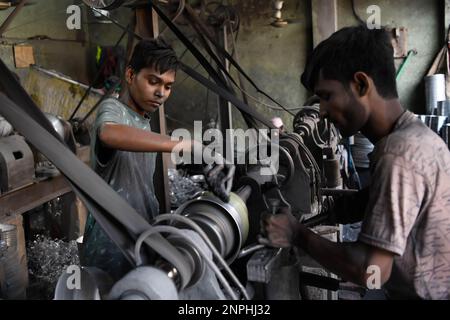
column 404, row 243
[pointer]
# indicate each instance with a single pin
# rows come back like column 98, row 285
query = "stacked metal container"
column 12, row 281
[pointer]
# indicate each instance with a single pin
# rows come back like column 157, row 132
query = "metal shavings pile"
column 183, row 188
column 47, row 260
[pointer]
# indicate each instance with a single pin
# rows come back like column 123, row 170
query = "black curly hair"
column 350, row 50
column 155, row 53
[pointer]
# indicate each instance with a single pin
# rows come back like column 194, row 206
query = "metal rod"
column 244, row 192
column 314, row 280
column 316, row 220
column 252, row 248
column 338, row 192
column 403, row 65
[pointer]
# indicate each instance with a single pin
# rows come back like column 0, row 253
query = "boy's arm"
column 126, row 138
column 121, row 137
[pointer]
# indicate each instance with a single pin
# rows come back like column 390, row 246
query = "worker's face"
column 148, row 88
column 341, row 106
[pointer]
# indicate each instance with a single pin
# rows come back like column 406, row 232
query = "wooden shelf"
column 38, row 193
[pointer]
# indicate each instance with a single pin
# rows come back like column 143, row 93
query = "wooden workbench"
column 31, row 196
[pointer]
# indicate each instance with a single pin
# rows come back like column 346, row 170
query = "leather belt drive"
column 118, row 219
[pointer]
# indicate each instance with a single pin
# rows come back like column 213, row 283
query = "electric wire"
column 313, row 162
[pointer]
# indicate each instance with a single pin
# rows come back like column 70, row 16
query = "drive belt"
column 219, row 87
column 225, row 94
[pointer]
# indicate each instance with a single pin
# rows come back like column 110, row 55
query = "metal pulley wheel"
column 284, row 169
column 226, row 224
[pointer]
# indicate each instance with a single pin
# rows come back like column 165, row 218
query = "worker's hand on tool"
column 218, row 174
column 280, row 230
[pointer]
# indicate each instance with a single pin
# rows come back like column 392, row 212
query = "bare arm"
column 348, row 260
column 125, row 138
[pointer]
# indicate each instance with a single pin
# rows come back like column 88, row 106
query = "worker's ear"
column 362, row 83
column 129, row 74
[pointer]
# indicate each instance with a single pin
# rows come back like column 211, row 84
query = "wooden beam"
column 446, row 16
column 324, row 19
column 36, row 194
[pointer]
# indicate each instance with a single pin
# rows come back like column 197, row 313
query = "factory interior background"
column 62, row 59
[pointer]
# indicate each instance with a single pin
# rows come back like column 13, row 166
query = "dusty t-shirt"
column 130, row 174
column 409, row 209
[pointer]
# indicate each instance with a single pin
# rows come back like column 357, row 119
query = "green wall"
column 65, row 53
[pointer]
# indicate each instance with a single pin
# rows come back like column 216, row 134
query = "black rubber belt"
column 226, row 95
column 220, row 87
column 118, row 219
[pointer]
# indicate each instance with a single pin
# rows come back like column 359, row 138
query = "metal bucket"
column 443, row 108
column 434, row 91
column 8, row 236
column 12, row 280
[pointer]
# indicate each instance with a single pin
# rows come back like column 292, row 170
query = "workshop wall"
column 263, row 51
column 63, row 50
column 425, row 23
column 274, row 57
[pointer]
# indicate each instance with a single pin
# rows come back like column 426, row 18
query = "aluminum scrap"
column 49, row 258
column 183, row 188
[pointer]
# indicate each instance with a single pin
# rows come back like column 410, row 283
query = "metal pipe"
column 338, row 192
column 97, row 77
column 244, row 193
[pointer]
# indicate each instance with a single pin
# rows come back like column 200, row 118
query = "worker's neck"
column 127, row 99
column 383, row 118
